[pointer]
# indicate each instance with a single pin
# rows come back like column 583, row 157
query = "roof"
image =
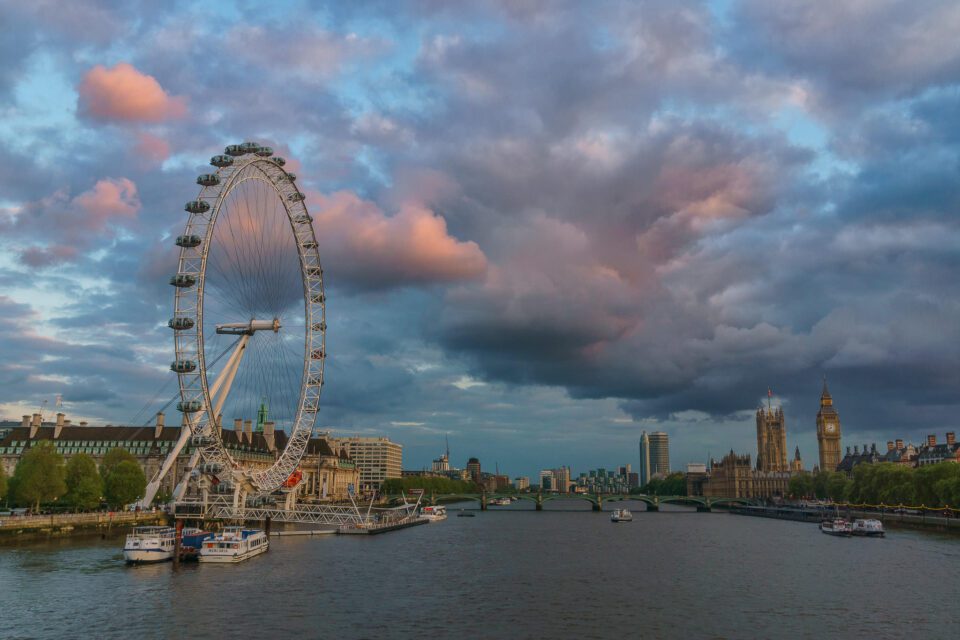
column 319, row 446
column 129, row 434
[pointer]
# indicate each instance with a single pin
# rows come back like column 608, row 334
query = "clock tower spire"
column 828, row 431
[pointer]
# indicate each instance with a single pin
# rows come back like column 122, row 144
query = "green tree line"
column 936, row 485
column 674, row 484
column 41, row 477
column 428, row 484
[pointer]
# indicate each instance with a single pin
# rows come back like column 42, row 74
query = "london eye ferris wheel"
column 249, row 314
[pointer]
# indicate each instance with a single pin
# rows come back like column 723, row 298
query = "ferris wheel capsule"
column 197, row 206
column 296, row 196
column 278, row 160
column 264, row 152
column 221, row 161
column 249, row 147
column 233, row 150
column 189, row 406
column 292, row 177
column 183, row 366
column 183, row 280
column 188, row 242
column 208, row 179
column 180, row 324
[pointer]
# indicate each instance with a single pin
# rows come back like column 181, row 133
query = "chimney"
column 26, row 422
column 951, row 438
column 35, row 425
column 899, row 443
column 889, row 445
column 848, row 449
column 248, row 431
column 932, row 440
column 159, row 428
column 57, row 429
column 269, row 430
column 67, row 423
column 856, row 450
column 83, row 423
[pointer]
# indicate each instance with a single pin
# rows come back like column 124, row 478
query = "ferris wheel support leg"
column 219, row 390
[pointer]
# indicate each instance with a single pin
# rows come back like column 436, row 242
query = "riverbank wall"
column 71, row 524
column 890, row 518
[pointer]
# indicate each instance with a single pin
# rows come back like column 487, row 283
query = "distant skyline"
column 545, row 227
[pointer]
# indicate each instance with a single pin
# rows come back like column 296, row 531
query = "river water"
column 505, row 574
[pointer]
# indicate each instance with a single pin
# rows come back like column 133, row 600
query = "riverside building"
column 150, row 445
column 377, row 459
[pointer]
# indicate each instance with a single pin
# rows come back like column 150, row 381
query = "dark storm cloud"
column 654, row 206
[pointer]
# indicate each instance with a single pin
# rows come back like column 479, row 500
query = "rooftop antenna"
column 447, row 440
column 769, row 395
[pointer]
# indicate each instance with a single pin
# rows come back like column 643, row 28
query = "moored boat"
column 434, row 513
column 149, row 544
column 234, row 544
column 836, row 527
column 621, row 515
column 868, row 527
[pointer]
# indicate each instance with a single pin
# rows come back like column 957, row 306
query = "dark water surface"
column 570, row 574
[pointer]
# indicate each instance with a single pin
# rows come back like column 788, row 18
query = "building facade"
column 734, row 477
column 644, row 471
column 521, row 483
column 473, row 470
column 377, row 459
column 828, row 431
column 150, row 445
column 771, row 440
column 328, row 475
column 659, row 454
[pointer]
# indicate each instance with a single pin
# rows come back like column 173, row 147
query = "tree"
column 84, row 484
column 124, row 484
column 39, row 475
column 801, row 485
column 3, row 483
column 112, row 459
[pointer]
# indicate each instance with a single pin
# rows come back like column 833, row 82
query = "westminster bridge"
column 596, row 501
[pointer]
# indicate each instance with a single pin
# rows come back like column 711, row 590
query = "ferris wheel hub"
column 249, row 328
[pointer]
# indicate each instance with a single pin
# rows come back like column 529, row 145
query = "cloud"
column 68, row 226
column 367, row 249
column 122, row 93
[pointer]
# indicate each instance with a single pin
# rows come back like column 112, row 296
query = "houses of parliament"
column 735, row 476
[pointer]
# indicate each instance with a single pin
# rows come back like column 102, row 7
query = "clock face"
column 830, row 427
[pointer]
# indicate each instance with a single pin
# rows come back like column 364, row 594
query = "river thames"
column 571, row 573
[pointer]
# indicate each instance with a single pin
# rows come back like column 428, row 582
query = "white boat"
column 499, row 502
column 434, row 514
column 234, row 544
column 836, row 527
column 868, row 527
column 621, row 515
column 149, row 544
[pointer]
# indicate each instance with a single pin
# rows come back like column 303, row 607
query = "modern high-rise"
column 561, row 479
column 521, row 483
column 378, row 459
column 828, row 431
column 645, row 472
column 659, row 454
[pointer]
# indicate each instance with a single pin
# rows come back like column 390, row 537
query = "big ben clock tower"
column 828, row 431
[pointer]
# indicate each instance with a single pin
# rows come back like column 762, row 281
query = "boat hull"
column 146, row 556
column 232, row 558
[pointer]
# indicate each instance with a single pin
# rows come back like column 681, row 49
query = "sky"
column 545, row 226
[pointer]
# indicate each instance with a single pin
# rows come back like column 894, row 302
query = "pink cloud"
column 70, row 225
column 378, row 251
column 123, row 93
column 109, row 198
column 151, row 150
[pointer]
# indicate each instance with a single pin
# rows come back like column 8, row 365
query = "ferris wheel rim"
column 196, row 401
